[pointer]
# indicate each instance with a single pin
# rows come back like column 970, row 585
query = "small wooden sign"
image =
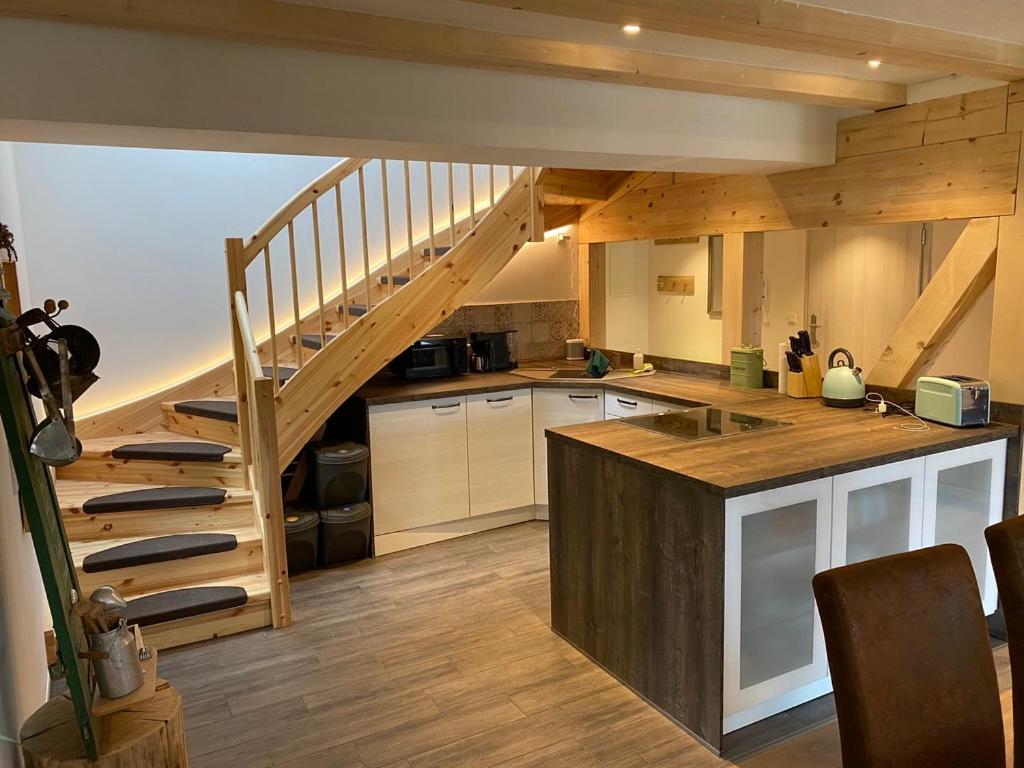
column 681, row 284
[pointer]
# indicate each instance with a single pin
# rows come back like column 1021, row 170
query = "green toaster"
column 959, row 401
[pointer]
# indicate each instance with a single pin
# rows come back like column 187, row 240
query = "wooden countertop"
column 818, row 441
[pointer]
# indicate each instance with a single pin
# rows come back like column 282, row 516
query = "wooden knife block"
column 807, row 383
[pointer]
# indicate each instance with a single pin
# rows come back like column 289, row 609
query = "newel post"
column 234, row 250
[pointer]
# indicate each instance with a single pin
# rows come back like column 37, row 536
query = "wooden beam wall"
column 1007, row 345
column 742, row 278
column 293, row 25
column 941, row 307
column 969, row 178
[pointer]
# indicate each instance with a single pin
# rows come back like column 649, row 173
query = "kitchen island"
column 683, row 566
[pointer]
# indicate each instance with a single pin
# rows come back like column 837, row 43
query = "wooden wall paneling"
column 970, row 178
column 1007, row 315
column 627, row 185
column 742, row 276
column 598, row 277
column 568, row 186
column 963, row 116
column 1016, row 93
column 560, row 215
column 945, row 301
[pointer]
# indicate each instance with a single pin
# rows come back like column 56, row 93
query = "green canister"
column 746, row 367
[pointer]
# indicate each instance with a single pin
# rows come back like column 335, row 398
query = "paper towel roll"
column 783, row 367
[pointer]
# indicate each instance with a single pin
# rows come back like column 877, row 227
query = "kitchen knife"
column 796, row 345
column 805, row 342
column 794, row 362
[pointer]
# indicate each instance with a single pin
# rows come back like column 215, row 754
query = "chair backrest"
column 1006, row 545
column 912, row 669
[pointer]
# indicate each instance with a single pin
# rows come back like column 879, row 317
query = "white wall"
column 544, row 271
column 23, row 613
column 626, row 296
column 785, row 277
column 79, row 84
column 679, row 325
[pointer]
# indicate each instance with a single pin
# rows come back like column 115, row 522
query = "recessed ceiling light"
column 874, row 63
column 631, row 29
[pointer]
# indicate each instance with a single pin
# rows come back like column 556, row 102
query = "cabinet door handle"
column 445, row 407
column 626, row 403
column 583, row 397
column 499, row 399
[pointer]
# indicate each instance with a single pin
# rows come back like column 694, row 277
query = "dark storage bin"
column 345, row 534
column 339, row 474
column 301, row 534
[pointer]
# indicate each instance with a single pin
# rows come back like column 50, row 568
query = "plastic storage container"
column 339, row 474
column 345, row 533
column 746, row 367
column 301, row 534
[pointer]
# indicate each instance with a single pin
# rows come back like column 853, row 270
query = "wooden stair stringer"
column 367, row 345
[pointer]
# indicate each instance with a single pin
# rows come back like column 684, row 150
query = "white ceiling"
column 984, row 17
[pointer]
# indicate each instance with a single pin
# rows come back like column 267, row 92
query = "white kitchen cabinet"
column 419, row 461
column 500, row 428
column 559, row 408
column 963, row 496
column 774, row 650
column 618, row 405
column 877, row 511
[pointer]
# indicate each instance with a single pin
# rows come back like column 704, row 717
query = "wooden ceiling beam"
column 569, row 186
column 284, row 24
column 800, row 27
column 625, row 186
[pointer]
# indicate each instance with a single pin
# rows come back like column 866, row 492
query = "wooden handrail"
column 252, row 357
column 297, row 205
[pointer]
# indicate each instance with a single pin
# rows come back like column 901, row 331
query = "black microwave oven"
column 431, row 357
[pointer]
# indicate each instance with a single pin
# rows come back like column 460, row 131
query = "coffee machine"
column 493, row 351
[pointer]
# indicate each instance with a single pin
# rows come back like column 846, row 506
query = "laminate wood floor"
column 434, row 658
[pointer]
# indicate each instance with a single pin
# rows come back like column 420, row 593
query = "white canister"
column 574, row 349
column 638, row 359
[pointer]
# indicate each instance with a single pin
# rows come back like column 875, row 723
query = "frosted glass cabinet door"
column 775, row 542
column 877, row 512
column 963, row 496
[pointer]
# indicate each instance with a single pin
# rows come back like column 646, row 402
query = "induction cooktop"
column 702, row 423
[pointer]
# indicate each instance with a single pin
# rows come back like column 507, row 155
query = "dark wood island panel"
column 637, row 580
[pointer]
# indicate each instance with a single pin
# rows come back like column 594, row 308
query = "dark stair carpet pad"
column 357, row 310
column 439, row 250
column 220, row 410
column 182, row 603
column 174, row 451
column 398, row 279
column 283, row 372
column 160, row 549
column 312, row 340
column 171, row 497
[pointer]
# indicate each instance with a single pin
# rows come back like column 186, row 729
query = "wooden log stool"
column 149, row 734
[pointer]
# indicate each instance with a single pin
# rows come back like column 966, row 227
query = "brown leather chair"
column 915, row 684
column 1006, row 545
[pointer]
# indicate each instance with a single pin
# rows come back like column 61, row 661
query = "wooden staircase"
column 143, row 526
column 191, row 513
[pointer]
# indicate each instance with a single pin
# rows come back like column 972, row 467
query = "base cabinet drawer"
column 419, row 460
column 559, row 408
column 500, row 450
column 618, row 405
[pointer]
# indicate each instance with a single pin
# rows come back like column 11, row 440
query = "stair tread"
column 253, row 582
column 72, row 494
column 245, row 536
column 158, row 549
column 103, row 447
column 166, row 497
column 284, row 372
column 171, row 451
column 183, row 603
column 312, row 340
column 219, row 410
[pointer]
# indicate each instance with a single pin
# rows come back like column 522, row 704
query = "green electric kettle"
column 843, row 386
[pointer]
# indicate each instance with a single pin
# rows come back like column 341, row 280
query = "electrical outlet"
column 791, row 318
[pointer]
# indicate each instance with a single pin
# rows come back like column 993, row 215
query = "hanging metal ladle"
column 53, row 441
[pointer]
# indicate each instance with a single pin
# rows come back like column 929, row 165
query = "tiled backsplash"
column 543, row 326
